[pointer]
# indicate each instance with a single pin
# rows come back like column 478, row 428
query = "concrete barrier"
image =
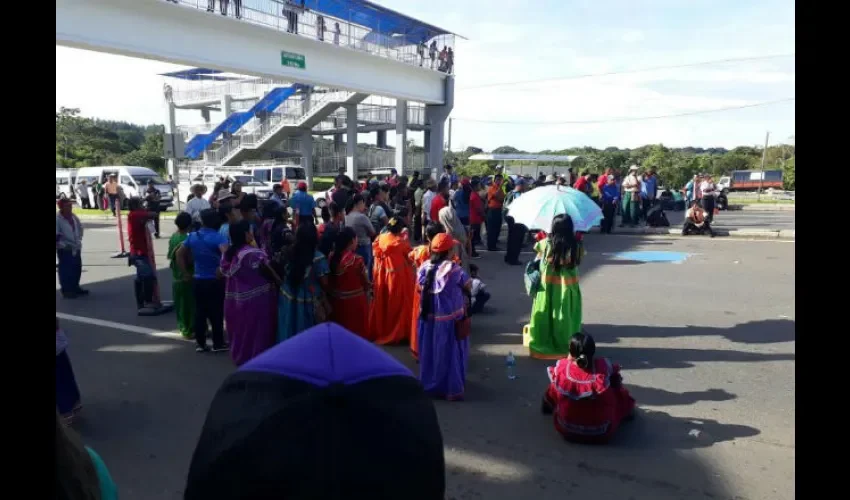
column 787, row 234
column 765, row 207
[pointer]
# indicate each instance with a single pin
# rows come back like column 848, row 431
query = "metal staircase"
column 286, row 121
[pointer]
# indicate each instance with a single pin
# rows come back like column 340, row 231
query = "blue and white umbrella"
column 536, row 208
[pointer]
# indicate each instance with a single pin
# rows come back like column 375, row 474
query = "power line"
column 628, row 71
column 634, row 118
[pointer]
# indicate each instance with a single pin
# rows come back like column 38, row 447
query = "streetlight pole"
column 763, row 157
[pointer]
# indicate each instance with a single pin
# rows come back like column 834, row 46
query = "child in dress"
column 586, row 394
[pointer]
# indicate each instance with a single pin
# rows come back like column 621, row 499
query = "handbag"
column 532, row 277
column 463, row 327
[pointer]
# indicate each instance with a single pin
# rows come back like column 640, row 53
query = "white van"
column 65, row 178
column 133, row 181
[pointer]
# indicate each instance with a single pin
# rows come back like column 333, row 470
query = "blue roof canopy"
column 200, row 74
column 387, row 22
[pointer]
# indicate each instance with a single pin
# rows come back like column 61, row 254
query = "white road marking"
column 121, row 326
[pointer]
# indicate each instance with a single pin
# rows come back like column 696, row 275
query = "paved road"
column 745, row 219
column 703, row 350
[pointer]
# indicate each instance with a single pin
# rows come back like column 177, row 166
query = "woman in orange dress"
column 390, row 319
column 349, row 285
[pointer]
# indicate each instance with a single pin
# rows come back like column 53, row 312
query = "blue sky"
column 516, row 41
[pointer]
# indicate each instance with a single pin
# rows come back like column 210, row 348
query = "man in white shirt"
column 427, row 198
column 709, row 191
column 196, row 205
column 631, row 197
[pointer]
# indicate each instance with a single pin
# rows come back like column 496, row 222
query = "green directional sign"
column 292, row 60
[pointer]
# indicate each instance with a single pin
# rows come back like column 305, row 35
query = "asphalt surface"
column 707, row 346
column 744, row 219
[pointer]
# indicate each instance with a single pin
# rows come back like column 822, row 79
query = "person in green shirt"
column 184, row 301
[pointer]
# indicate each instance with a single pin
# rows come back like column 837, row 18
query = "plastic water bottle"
column 510, row 365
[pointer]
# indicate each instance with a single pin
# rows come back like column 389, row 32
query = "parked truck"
column 750, row 180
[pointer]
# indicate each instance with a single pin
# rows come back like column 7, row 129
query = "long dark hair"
column 238, row 238
column 582, row 349
column 426, row 305
column 395, row 225
column 301, row 254
column 433, row 229
column 76, row 477
column 344, row 238
column 565, row 251
column 467, row 191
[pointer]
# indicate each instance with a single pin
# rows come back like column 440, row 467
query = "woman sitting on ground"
column 696, row 221
column 586, row 394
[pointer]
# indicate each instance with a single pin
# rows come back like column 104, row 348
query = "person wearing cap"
column 442, row 331
column 631, row 197
column 393, row 276
column 495, row 200
column 69, row 246
column 340, row 418
column 303, row 205
column 516, row 232
column 152, row 202
column 610, row 200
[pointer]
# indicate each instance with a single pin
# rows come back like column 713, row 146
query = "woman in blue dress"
column 302, row 302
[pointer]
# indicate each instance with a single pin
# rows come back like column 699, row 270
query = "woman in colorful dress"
column 556, row 313
column 349, row 285
column 249, row 295
column 302, row 302
column 443, row 346
column 389, row 320
column 419, row 256
column 586, row 394
column 67, row 393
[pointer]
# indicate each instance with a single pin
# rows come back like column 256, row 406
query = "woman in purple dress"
column 442, row 339
column 250, row 299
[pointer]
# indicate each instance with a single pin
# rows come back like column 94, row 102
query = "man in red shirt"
column 603, row 179
column 137, row 233
column 440, row 201
column 583, row 184
column 476, row 215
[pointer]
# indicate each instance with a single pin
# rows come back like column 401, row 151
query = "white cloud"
column 632, row 36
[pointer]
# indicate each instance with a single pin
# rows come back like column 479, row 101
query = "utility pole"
column 450, row 136
column 763, row 157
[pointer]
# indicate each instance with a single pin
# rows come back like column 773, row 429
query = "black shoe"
column 221, row 348
column 713, row 235
column 202, row 349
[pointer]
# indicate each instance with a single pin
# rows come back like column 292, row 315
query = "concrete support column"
column 337, row 143
column 436, row 116
column 427, row 167
column 226, row 108
column 351, row 141
column 381, row 140
column 171, row 128
column 307, row 155
column 400, row 135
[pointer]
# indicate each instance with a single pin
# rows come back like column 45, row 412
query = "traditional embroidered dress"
column 349, row 304
column 586, row 406
column 390, row 317
column 296, row 308
column 419, row 256
column 249, row 304
column 442, row 357
column 556, row 312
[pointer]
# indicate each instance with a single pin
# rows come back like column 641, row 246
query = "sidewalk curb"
column 748, row 234
column 763, row 208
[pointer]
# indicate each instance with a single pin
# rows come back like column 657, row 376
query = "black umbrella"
column 323, row 415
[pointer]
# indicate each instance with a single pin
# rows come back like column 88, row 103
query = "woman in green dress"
column 556, row 313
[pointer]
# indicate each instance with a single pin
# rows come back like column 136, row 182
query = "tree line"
column 674, row 166
column 86, row 142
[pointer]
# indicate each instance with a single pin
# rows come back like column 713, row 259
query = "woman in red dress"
column 349, row 285
column 586, row 394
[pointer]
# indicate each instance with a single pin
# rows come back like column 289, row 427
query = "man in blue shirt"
column 303, row 205
column 204, row 248
column 648, row 190
column 449, row 176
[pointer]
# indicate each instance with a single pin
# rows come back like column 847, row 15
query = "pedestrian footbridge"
column 313, row 63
